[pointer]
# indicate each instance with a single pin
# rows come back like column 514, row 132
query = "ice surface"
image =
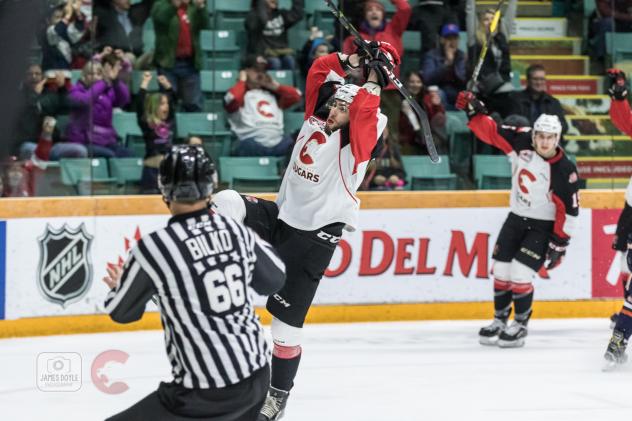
column 364, row 371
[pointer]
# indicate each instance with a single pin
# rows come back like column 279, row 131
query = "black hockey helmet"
column 187, row 174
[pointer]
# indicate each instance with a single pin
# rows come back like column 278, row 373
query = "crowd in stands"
column 104, row 41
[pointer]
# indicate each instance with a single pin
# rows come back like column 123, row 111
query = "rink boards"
column 415, row 256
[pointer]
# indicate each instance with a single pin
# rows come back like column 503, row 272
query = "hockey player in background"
column 317, row 198
column 544, row 209
column 199, row 268
column 621, row 116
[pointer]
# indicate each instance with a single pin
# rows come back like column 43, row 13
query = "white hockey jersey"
column 320, row 184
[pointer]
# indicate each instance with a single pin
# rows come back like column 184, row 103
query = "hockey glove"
column 468, row 102
column 618, row 89
column 555, row 253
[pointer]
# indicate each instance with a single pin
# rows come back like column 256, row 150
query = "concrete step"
column 571, row 84
column 558, row 65
column 585, row 105
column 525, row 8
column 541, row 27
column 546, row 46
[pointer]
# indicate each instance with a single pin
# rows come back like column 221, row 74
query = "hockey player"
column 317, row 197
column 621, row 116
column 544, row 210
column 200, row 268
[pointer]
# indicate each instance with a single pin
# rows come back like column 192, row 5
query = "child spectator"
column 388, row 171
column 255, row 106
column 155, row 114
column 317, row 46
column 267, row 27
column 178, row 53
column 445, row 66
column 65, row 27
column 92, row 100
column 375, row 27
column 125, row 74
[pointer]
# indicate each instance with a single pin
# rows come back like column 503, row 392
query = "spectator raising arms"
column 409, row 125
column 427, row 18
column 65, row 26
column 375, row 27
column 155, row 114
column 494, row 81
column 316, row 46
column 267, row 27
column 92, row 100
column 178, row 53
column 120, row 25
column 445, row 66
column 255, row 106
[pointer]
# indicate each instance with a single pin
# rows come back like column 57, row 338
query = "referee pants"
column 173, row 402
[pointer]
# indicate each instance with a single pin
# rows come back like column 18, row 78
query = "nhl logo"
column 65, row 269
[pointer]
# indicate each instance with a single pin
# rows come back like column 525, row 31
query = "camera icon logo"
column 58, row 372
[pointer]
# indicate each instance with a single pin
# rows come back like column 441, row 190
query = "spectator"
column 178, row 54
column 387, row 171
column 92, row 100
column 65, row 27
column 155, row 114
column 51, row 149
column 317, row 46
column 376, row 28
column 15, row 179
column 445, row 66
column 125, row 74
column 39, row 97
column 409, row 126
column 534, row 100
column 601, row 21
column 255, row 107
column 427, row 18
column 267, row 27
column 494, row 81
column 120, row 25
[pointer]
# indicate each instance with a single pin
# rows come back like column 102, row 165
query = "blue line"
column 3, row 266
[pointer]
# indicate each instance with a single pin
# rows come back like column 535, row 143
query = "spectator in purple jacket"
column 98, row 92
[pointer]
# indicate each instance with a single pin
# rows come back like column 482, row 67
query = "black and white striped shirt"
column 200, row 267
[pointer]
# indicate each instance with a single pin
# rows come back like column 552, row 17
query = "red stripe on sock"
column 502, row 285
column 626, row 312
column 286, row 352
column 521, row 288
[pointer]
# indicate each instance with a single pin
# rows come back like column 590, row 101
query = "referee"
column 199, row 267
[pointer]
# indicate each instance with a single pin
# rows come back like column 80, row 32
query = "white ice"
column 365, row 371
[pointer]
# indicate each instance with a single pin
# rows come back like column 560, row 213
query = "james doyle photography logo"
column 65, row 269
column 59, row 371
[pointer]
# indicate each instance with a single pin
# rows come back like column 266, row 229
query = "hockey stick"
column 426, row 132
column 481, row 58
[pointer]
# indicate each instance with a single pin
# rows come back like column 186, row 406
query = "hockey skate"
column 274, row 406
column 513, row 336
column 615, row 354
column 488, row 335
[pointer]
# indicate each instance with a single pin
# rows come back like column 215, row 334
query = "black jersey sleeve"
column 565, row 195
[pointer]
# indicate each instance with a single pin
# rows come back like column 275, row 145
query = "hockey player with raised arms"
column 544, row 209
column 621, row 116
column 317, row 198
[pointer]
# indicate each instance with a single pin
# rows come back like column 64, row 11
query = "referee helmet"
column 187, row 174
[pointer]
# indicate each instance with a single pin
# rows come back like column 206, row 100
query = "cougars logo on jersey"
column 306, row 156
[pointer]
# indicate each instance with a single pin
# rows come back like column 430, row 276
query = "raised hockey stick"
column 425, row 130
column 481, row 58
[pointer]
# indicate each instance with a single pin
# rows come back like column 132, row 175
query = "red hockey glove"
column 468, row 102
column 618, row 89
column 555, row 253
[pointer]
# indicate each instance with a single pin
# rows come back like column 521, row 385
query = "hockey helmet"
column 548, row 123
column 187, row 174
column 346, row 92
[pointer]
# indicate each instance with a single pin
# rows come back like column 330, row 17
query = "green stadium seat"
column 62, row 122
column 85, row 173
column 220, row 41
column 490, row 166
column 231, row 167
column 218, row 81
column 137, row 146
column 428, row 175
column 149, row 39
column 217, row 147
column 412, row 41
column 258, row 184
column 460, row 141
column 495, row 182
column 137, row 77
column 126, row 170
column 284, row 77
column 214, row 105
column 435, row 182
column 126, row 125
column 235, row 6
column 75, row 75
column 297, row 37
column 312, row 7
column 293, row 121
column 201, row 124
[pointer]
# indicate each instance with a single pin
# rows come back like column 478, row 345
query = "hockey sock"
column 624, row 321
column 285, row 361
column 523, row 300
column 502, row 299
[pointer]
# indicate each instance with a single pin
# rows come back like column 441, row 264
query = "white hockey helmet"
column 548, row 123
column 346, row 92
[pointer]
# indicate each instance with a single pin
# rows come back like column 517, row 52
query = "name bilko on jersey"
column 201, row 268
